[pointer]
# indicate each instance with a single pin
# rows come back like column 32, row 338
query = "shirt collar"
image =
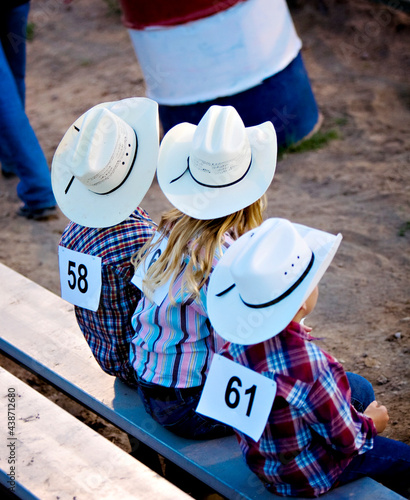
column 295, row 328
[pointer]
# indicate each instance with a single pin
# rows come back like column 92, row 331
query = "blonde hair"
column 196, row 239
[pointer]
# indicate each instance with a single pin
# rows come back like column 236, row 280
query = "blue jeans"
column 286, row 99
column 362, row 391
column 389, row 461
column 20, row 151
column 174, row 409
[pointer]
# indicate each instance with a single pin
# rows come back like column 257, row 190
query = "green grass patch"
column 317, row 141
column 30, row 31
column 404, row 228
column 85, row 62
column 113, row 7
column 341, row 121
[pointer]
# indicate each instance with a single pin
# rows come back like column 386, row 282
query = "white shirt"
column 220, row 55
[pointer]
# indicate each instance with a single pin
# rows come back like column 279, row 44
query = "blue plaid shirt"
column 108, row 331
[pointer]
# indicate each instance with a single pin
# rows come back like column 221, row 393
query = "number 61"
column 232, row 390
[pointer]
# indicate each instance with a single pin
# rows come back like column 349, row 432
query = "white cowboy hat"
column 217, row 167
column 264, row 278
column 106, row 161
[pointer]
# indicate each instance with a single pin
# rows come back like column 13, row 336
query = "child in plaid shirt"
column 324, row 425
column 101, row 171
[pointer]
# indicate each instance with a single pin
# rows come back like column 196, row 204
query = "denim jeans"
column 174, row 409
column 362, row 391
column 389, row 461
column 13, row 40
column 20, row 151
column 286, row 99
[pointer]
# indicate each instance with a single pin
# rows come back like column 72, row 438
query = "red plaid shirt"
column 313, row 432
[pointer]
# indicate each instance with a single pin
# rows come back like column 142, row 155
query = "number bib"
column 161, row 292
column 237, row 396
column 80, row 278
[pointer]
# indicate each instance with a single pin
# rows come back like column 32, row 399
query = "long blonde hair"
column 196, row 239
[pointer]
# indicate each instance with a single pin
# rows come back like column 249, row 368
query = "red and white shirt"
column 201, row 50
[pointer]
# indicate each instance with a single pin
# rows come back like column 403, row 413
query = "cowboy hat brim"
column 90, row 209
column 201, row 202
column 240, row 324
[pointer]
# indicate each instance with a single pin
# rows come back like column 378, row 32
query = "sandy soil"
column 357, row 56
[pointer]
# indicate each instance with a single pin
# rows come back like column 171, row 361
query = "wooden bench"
column 39, row 330
column 51, row 454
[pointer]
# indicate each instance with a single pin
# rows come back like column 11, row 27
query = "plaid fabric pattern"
column 108, row 331
column 174, row 344
column 313, row 432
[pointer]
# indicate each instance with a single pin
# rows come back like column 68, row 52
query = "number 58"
column 80, row 282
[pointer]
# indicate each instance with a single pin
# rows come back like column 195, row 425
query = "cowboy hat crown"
column 276, row 260
column 102, row 152
column 106, row 161
column 217, row 167
column 220, row 154
column 264, row 277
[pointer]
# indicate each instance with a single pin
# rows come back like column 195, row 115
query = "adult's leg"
column 13, row 27
column 13, row 39
column 387, row 463
column 19, row 145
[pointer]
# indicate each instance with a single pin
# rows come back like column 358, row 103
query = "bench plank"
column 39, row 330
column 54, row 455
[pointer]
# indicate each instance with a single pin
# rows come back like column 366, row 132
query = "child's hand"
column 378, row 414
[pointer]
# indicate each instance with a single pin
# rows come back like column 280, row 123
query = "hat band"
column 129, row 170
column 282, row 296
column 211, row 185
column 121, row 183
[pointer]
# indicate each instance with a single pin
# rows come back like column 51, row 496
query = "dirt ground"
column 357, row 55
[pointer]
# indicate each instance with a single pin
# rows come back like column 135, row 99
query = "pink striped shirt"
column 174, row 344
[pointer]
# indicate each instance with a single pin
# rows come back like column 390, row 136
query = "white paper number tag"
column 80, row 278
column 237, row 396
column 161, row 292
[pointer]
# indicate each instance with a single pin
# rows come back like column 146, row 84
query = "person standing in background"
column 20, row 150
column 240, row 53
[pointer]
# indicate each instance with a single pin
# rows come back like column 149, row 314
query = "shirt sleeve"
column 328, row 411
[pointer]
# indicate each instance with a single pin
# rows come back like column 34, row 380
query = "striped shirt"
column 108, row 331
column 313, row 431
column 174, row 344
